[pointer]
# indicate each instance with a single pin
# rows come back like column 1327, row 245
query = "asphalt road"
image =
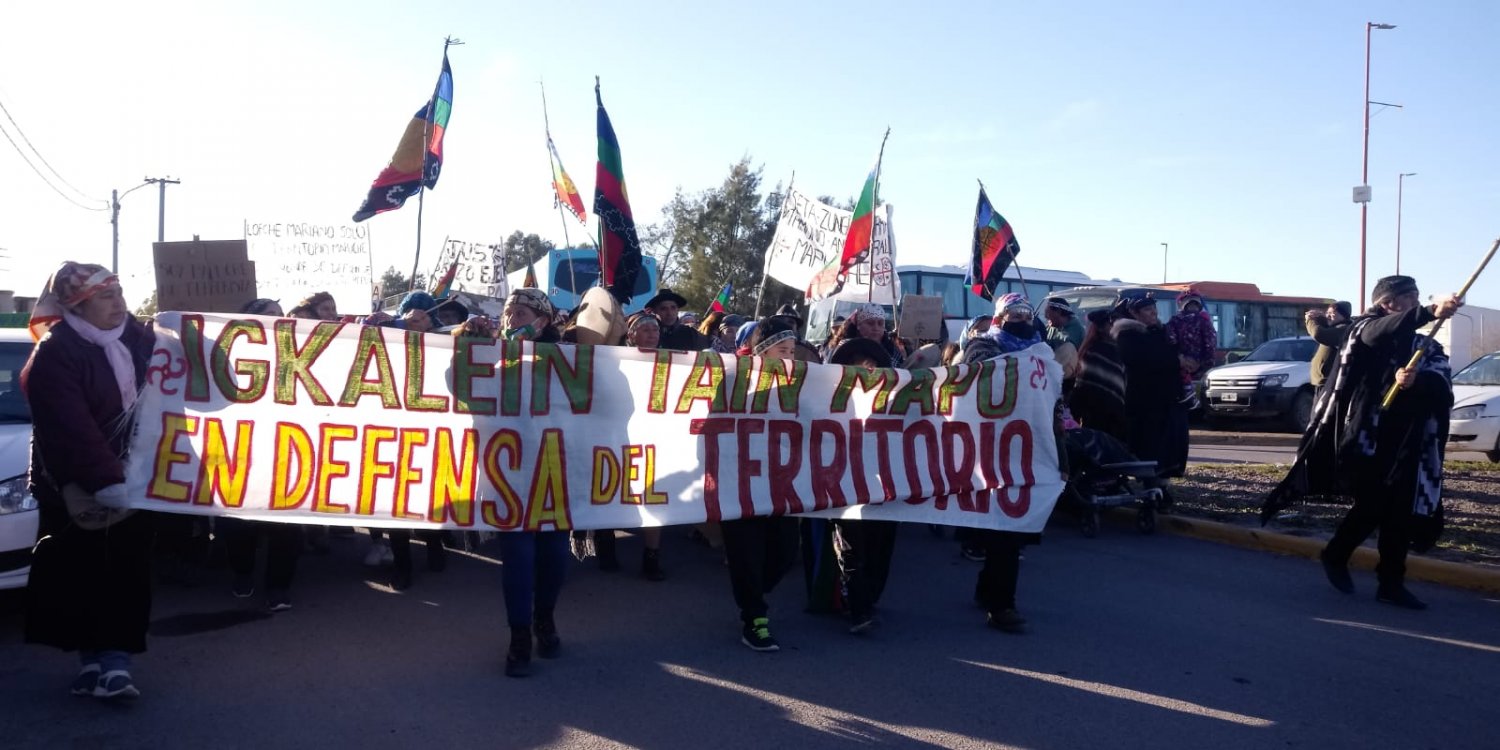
column 1135, row 642
column 1270, row 454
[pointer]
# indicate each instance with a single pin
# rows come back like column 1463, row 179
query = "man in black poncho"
column 1390, row 461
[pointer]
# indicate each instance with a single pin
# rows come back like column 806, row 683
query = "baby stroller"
column 1104, row 474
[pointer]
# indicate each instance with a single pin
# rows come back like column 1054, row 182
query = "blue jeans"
column 532, row 569
column 108, row 661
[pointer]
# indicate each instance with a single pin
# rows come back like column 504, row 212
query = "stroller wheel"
column 1091, row 523
column 1146, row 520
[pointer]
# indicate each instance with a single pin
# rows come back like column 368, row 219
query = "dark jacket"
column 1157, row 421
column 1098, row 397
column 681, row 338
column 80, row 431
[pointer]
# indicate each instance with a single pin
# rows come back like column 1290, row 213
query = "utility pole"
column 161, row 207
column 1163, row 262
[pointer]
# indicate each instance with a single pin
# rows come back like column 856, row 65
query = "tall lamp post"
column 1163, row 262
column 114, row 224
column 1364, row 174
column 1400, row 184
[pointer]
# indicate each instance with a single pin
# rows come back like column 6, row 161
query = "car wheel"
column 1301, row 412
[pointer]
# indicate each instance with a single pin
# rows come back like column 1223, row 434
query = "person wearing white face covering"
column 90, row 584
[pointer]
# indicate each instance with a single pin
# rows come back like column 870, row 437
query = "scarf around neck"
column 120, row 361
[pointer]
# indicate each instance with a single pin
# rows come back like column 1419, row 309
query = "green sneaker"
column 757, row 635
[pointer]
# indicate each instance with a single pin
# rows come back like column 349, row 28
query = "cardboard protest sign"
column 921, row 316
column 322, row 422
column 298, row 259
column 203, row 276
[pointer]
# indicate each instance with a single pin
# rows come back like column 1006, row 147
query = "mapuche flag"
column 564, row 192
column 419, row 156
column 995, row 248
column 721, row 302
column 861, row 226
column 619, row 247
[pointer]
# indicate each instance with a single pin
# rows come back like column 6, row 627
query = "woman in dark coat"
column 90, row 585
column 1156, row 419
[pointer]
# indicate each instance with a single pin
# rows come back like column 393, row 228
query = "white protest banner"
column 325, row 422
column 481, row 267
column 870, row 280
column 295, row 260
column 810, row 236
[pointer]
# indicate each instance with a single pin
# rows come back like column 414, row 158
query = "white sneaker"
column 378, row 553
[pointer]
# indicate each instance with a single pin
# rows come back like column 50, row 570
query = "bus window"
column 953, row 291
column 910, row 282
column 1283, row 321
column 1035, row 293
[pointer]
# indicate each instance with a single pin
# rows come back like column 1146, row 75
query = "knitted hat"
column 1392, row 286
column 1186, row 298
column 1012, row 301
column 1059, row 304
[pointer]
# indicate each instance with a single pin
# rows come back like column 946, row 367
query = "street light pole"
column 1364, row 174
column 114, row 224
column 1163, row 262
column 1400, row 184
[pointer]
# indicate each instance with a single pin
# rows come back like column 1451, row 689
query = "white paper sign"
column 295, row 260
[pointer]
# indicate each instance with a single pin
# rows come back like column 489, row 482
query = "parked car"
column 1474, row 424
column 18, row 514
column 1274, row 381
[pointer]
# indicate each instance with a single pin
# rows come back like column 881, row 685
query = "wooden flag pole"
column 874, row 206
column 416, row 259
column 558, row 199
column 1416, row 357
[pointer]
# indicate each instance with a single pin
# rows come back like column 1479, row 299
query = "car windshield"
column 1482, row 371
column 1284, row 350
column 13, row 407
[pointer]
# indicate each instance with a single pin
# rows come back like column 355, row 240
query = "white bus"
column 960, row 303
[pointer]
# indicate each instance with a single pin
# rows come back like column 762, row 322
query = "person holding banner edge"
column 90, row 584
column 1014, row 331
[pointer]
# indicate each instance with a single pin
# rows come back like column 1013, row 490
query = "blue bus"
column 565, row 275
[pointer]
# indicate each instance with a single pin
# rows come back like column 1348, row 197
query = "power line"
column 43, row 159
column 43, row 177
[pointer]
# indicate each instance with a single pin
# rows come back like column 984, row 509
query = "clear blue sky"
column 1101, row 129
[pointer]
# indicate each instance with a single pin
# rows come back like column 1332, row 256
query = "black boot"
column 518, row 657
column 651, row 565
column 1337, row 573
column 604, row 548
column 548, row 644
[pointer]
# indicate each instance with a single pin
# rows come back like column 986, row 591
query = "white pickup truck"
column 1274, row 381
column 18, row 514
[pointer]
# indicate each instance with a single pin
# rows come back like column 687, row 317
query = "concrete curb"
column 1458, row 575
column 1205, row 437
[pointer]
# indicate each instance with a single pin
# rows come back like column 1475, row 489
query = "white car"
column 1474, row 424
column 1275, row 380
column 18, row 513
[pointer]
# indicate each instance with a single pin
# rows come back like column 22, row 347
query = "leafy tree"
column 147, row 308
column 522, row 248
column 720, row 236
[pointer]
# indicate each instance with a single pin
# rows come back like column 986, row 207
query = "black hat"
column 789, row 311
column 666, row 295
column 448, row 303
column 861, row 348
column 1059, row 304
column 1392, row 286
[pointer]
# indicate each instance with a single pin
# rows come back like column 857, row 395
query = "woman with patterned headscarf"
column 533, row 563
column 90, row 585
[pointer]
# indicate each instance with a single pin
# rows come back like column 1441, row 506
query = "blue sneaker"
column 86, row 681
column 116, row 684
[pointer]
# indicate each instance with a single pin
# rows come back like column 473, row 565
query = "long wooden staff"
column 1416, row 357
